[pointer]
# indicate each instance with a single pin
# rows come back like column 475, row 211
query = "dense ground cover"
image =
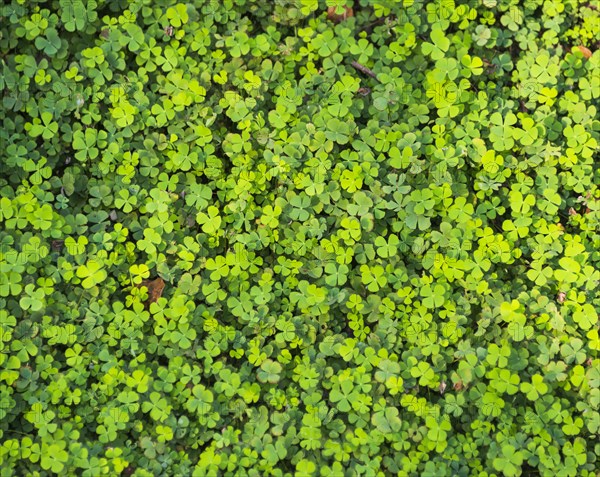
column 267, row 239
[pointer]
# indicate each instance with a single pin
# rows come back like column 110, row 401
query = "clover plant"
column 299, row 238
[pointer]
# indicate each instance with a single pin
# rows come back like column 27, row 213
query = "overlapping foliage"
column 386, row 267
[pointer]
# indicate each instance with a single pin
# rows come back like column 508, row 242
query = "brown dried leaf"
column 155, row 288
column 586, row 51
column 335, row 17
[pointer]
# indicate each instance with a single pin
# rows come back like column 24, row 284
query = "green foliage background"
column 392, row 273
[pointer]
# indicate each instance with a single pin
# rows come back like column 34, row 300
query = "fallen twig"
column 364, row 69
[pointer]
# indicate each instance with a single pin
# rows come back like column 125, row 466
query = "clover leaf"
column 509, row 461
column 92, row 272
